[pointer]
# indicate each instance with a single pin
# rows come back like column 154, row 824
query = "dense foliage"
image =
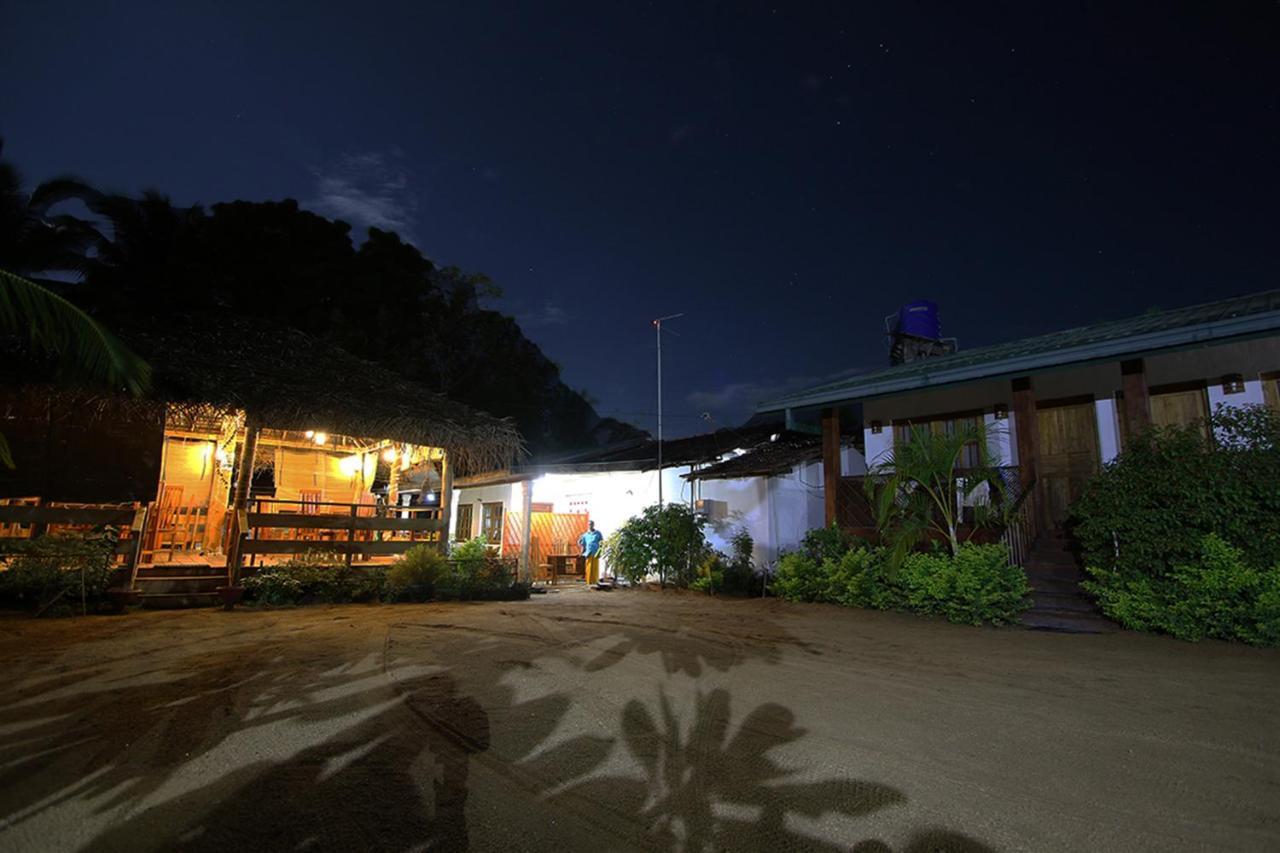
column 1181, row 532
column 382, row 300
column 733, row 573
column 57, row 575
column 974, row 586
column 421, row 574
column 666, row 541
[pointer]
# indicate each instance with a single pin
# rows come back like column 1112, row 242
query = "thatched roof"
column 294, row 381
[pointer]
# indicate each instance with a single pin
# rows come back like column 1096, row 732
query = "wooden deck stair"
column 1057, row 601
column 179, row 586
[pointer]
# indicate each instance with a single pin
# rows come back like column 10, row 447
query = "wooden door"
column 1181, row 408
column 1068, row 455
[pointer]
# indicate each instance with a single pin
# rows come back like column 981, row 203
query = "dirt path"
column 617, row 721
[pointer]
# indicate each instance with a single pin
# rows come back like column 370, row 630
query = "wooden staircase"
column 1057, row 601
column 183, row 585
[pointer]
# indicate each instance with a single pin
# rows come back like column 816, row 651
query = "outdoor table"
column 560, row 566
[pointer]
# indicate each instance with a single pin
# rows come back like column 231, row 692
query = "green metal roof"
column 1245, row 316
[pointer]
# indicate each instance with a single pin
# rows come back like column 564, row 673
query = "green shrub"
column 1181, row 532
column 975, row 586
column 1150, row 508
column 71, row 574
column 732, row 573
column 1216, row 595
column 800, row 577
column 663, row 540
column 861, row 578
column 827, row 543
column 270, row 585
column 415, row 575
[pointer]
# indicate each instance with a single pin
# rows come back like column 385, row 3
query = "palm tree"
column 33, row 242
column 925, row 484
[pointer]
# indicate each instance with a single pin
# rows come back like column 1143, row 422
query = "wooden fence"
column 338, row 528
column 549, row 533
column 25, row 519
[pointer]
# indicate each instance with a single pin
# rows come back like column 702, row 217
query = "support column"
column 446, row 500
column 240, row 498
column 1137, row 401
column 831, row 465
column 1027, row 428
column 526, row 525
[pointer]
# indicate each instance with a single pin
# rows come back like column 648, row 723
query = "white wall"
column 776, row 511
column 1108, row 419
column 508, row 494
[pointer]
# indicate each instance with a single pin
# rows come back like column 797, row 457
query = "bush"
column 663, row 540
column 69, row 574
column 312, row 578
column 732, row 573
column 1180, row 527
column 414, row 576
column 1217, row 595
column 976, row 586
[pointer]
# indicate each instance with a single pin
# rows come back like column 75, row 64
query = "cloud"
column 549, row 314
column 369, row 189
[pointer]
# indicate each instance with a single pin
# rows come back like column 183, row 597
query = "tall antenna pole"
column 657, row 325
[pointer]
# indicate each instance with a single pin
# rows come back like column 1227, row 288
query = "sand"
column 626, row 720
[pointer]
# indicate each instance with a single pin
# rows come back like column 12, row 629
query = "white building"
column 776, row 502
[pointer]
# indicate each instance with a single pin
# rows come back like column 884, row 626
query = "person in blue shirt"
column 590, row 543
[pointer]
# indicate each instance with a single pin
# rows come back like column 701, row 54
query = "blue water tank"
column 920, row 319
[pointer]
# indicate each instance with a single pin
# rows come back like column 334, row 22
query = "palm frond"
column 6, row 457
column 58, row 327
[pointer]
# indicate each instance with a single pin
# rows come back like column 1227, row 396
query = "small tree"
column 926, row 483
column 662, row 540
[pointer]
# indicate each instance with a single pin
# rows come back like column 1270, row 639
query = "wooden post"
column 446, row 500
column 526, row 524
column 240, row 498
column 1137, row 402
column 831, row 464
column 1027, row 427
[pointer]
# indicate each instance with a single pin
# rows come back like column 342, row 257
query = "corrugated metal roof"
column 1251, row 315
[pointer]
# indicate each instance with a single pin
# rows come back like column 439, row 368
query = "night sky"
column 784, row 175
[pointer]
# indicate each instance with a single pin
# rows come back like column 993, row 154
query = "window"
column 463, row 527
column 491, row 523
column 970, row 456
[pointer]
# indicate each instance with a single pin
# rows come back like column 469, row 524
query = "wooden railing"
column 28, row 521
column 1024, row 525
column 347, row 529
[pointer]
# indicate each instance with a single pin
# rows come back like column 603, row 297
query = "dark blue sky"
column 785, row 175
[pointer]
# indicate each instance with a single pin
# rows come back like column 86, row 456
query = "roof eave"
column 1137, row 345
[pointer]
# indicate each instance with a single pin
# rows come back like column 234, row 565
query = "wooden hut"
column 319, row 426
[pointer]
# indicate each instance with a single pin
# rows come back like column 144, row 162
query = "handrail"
column 1020, row 533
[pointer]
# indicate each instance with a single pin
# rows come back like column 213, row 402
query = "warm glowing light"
column 310, row 433
column 321, row 438
column 349, row 465
column 221, row 455
column 389, row 454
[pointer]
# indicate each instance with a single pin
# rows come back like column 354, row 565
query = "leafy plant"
column 1144, row 524
column 925, row 485
column 1217, row 595
column 414, row 576
column 58, row 575
column 975, row 586
column 662, row 540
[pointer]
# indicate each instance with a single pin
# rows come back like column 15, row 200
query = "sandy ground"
column 628, row 720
